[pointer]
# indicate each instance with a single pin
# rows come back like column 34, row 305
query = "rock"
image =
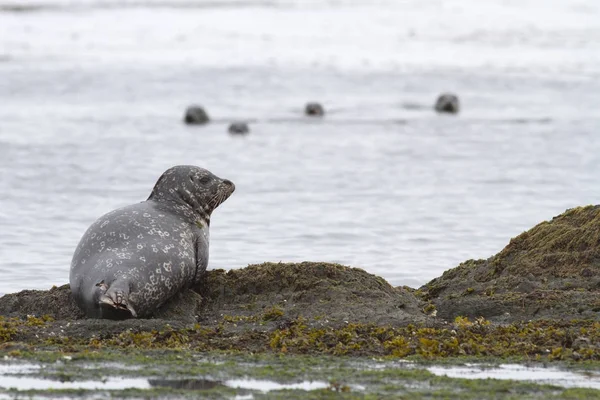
column 447, row 103
column 311, row 290
column 238, row 128
column 314, row 110
column 56, row 303
column 525, row 287
column 185, row 306
column 317, row 291
column 581, row 343
column 562, row 255
column 195, row 115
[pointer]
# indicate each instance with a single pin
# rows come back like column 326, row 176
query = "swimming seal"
column 447, row 103
column 133, row 259
column 195, row 115
column 314, row 110
column 238, row 128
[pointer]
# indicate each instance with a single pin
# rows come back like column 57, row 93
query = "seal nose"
column 227, row 182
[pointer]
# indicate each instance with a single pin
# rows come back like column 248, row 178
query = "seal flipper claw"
column 131, row 310
column 117, row 299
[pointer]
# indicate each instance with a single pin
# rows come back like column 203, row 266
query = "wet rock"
column 324, row 291
column 56, row 303
column 581, row 343
column 447, row 103
column 185, row 306
column 59, row 304
column 266, row 293
column 195, row 115
column 525, row 287
column 238, row 128
column 563, row 258
column 314, row 110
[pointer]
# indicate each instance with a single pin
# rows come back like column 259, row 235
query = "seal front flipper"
column 115, row 302
column 201, row 255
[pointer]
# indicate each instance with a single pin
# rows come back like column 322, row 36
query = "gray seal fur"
column 133, row 259
column 314, row 110
column 447, row 103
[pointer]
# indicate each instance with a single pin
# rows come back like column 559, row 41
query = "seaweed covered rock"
column 550, row 271
column 265, row 294
column 56, row 303
column 326, row 292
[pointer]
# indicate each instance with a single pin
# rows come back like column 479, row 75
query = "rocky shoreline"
column 546, row 278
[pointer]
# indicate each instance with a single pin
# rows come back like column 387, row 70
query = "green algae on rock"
column 550, row 271
column 574, row 341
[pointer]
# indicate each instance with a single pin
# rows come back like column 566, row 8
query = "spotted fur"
column 133, row 259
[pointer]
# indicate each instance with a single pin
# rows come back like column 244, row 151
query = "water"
column 93, row 92
column 539, row 375
column 23, row 377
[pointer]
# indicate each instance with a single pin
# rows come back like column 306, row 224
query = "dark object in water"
column 195, row 115
column 447, row 103
column 238, row 128
column 314, row 110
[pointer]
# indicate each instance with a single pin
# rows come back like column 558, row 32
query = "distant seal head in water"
column 238, row 128
column 447, row 103
column 314, row 110
column 133, row 259
column 195, row 115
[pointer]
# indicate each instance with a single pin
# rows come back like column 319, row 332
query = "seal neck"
column 184, row 203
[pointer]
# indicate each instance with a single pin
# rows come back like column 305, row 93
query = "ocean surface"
column 92, row 95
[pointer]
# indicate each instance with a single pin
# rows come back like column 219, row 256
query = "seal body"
column 133, row 259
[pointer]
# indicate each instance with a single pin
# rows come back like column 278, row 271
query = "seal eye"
column 204, row 180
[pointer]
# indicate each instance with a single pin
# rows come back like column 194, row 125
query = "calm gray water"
column 92, row 94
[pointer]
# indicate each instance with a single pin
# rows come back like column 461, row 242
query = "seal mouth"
column 226, row 188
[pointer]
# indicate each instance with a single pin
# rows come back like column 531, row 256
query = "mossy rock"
column 550, row 271
column 56, row 303
column 315, row 291
column 260, row 297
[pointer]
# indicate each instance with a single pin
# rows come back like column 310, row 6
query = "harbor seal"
column 314, row 110
column 238, row 128
column 447, row 103
column 133, row 259
column 195, row 115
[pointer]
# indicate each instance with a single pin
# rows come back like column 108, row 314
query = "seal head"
column 447, row 103
column 314, row 110
column 195, row 115
column 193, row 191
column 238, row 128
column 133, row 259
